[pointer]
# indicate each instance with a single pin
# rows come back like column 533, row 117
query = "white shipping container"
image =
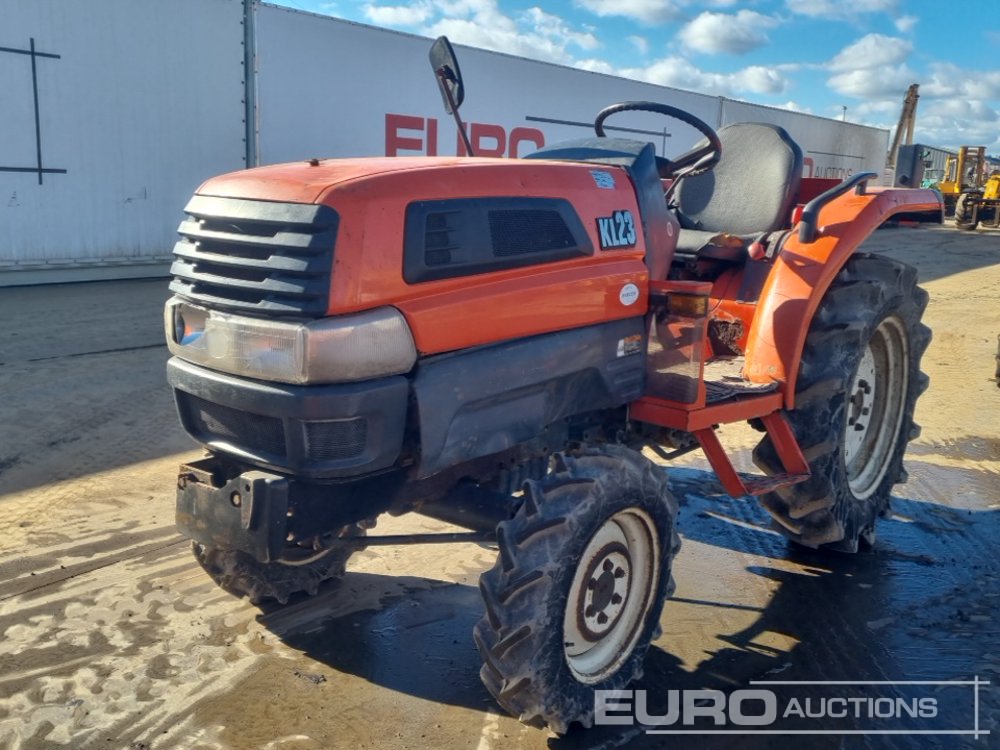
column 138, row 101
column 331, row 88
column 126, row 106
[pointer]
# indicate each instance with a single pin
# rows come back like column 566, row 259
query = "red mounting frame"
column 702, row 421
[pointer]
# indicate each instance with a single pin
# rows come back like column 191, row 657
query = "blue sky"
column 816, row 56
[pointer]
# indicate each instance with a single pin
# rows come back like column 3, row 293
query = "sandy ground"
column 112, row 637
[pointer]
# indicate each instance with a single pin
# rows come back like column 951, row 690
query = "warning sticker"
column 629, row 345
column 603, row 180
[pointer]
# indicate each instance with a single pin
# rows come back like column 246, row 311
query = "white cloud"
column 596, row 66
column 956, row 106
column 947, row 80
column 947, row 122
column 873, row 83
column 466, row 8
column 641, row 44
column 795, row 107
column 555, row 28
column 957, row 120
column 962, row 109
column 760, row 80
column 839, row 9
column 648, row 11
column 734, row 34
column 873, row 67
column 881, row 111
column 905, row 24
column 399, row 15
column 532, row 33
column 502, row 36
column 871, row 51
column 679, row 73
column 950, row 132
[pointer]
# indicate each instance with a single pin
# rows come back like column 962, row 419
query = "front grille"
column 515, row 232
column 256, row 255
column 217, row 422
column 338, row 439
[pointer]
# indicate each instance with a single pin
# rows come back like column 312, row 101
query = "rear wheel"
column 575, row 596
column 965, row 210
column 242, row 575
column 857, row 387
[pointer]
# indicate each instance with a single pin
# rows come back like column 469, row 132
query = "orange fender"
column 804, row 271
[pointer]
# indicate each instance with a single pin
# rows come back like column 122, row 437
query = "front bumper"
column 314, row 432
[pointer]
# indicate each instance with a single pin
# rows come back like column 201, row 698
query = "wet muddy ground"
column 112, row 637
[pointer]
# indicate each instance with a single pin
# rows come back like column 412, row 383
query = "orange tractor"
column 493, row 342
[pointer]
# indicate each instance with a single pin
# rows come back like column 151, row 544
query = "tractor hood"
column 307, row 181
column 553, row 245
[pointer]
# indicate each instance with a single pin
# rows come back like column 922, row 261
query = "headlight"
column 372, row 344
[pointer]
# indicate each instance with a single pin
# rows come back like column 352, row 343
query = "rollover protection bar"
column 808, row 224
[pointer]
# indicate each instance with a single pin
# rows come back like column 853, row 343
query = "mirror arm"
column 444, row 73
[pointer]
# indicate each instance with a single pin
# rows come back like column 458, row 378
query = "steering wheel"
column 699, row 159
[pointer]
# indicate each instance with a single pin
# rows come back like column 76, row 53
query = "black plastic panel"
column 449, row 238
column 477, row 403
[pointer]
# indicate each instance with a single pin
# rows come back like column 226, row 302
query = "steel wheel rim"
column 875, row 403
column 611, row 594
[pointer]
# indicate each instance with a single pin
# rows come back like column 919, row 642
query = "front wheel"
column 576, row 593
column 857, row 387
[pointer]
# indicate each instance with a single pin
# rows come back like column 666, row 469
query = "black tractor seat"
column 749, row 194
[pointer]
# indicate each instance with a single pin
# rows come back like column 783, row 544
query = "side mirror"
column 449, row 77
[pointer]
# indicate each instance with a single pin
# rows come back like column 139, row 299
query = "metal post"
column 252, row 157
column 38, row 125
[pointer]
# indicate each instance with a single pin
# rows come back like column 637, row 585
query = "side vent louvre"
column 466, row 236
